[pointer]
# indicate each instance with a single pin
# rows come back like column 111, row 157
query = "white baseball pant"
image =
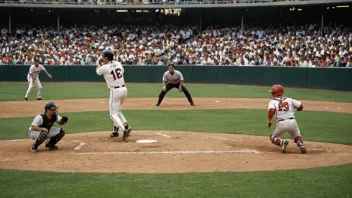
column 287, row 125
column 30, row 86
column 117, row 97
column 52, row 132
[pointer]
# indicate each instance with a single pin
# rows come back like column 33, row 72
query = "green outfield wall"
column 315, row 78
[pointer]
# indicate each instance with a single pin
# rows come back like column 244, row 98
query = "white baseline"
column 167, row 152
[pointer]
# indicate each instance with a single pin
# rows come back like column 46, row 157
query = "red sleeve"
column 300, row 108
column 271, row 113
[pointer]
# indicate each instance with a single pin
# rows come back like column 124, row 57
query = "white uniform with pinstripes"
column 114, row 76
column 34, row 72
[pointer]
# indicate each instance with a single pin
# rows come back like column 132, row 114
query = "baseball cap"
column 36, row 59
column 171, row 65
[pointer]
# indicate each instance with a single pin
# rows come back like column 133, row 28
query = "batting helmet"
column 276, row 90
column 49, row 105
column 108, row 54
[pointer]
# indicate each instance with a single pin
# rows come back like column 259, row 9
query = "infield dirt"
column 175, row 152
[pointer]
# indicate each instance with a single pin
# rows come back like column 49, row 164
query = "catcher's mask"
column 51, row 106
column 108, row 54
column 276, row 90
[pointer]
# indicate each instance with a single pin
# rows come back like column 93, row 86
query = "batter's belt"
column 291, row 118
column 119, row 87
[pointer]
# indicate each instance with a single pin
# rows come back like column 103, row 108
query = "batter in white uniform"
column 113, row 73
column 284, row 110
column 33, row 78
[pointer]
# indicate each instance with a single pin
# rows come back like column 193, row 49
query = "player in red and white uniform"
column 283, row 109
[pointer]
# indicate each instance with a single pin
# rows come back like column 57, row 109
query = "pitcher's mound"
column 171, row 152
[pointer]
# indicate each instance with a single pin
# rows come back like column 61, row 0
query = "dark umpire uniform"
column 173, row 79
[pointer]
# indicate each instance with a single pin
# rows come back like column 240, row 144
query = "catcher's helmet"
column 49, row 105
column 276, row 90
column 108, row 54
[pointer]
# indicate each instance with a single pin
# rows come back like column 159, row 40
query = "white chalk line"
column 13, row 140
column 168, row 152
column 80, row 145
column 220, row 138
column 163, row 135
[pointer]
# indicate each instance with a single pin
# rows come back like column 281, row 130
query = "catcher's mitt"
column 63, row 120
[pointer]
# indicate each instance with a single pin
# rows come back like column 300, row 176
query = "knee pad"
column 43, row 135
column 297, row 139
column 41, row 138
column 62, row 131
column 275, row 140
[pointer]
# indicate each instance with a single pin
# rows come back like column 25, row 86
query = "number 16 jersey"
column 113, row 74
column 284, row 107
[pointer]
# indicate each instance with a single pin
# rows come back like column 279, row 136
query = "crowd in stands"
column 140, row 2
column 277, row 45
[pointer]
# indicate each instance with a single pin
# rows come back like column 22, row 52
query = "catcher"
column 284, row 110
column 41, row 128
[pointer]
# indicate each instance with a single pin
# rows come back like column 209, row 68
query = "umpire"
column 173, row 79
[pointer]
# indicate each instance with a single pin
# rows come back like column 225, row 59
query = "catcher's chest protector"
column 47, row 123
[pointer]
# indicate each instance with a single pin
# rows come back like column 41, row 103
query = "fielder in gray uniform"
column 173, row 79
column 41, row 128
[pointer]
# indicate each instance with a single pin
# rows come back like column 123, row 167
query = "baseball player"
column 33, row 77
column 173, row 79
column 41, row 128
column 113, row 73
column 284, row 110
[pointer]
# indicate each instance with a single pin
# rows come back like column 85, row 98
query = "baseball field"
column 219, row 148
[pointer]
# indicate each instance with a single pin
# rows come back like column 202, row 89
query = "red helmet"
column 276, row 90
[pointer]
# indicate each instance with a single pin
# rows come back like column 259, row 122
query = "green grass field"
column 333, row 181
column 152, row 90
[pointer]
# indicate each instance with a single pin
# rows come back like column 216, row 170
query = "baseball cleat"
column 26, row 99
column 284, row 146
column 34, row 149
column 114, row 134
column 193, row 104
column 157, row 104
column 129, row 131
column 39, row 99
column 125, row 135
column 51, row 147
column 303, row 149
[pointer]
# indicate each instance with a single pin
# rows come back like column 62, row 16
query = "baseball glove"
column 63, row 120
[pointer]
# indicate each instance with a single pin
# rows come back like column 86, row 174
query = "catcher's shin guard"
column 40, row 139
column 55, row 139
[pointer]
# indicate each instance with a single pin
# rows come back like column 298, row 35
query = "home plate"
column 146, row 141
column 217, row 101
column 102, row 102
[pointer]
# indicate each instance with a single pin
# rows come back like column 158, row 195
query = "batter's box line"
column 219, row 138
column 167, row 152
column 81, row 144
